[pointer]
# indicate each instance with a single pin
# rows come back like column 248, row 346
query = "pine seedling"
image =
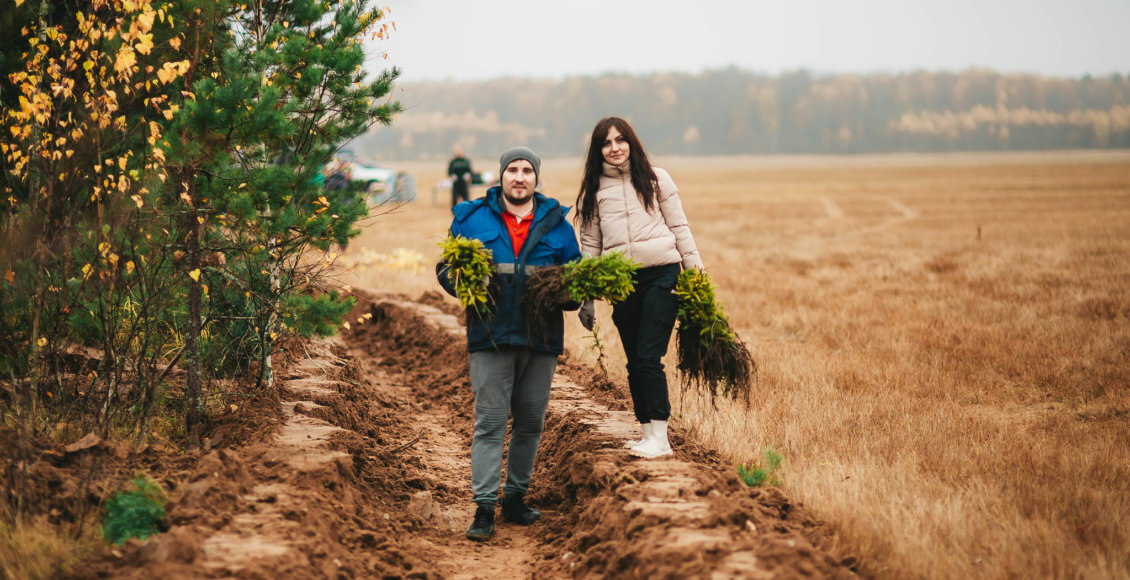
column 134, row 514
column 469, row 268
column 599, row 346
column 711, row 356
column 755, row 476
column 607, row 277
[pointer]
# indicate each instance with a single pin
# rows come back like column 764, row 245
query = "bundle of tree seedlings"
column 607, row 277
column 469, row 268
column 711, row 355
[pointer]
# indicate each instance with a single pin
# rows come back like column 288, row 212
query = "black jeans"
column 459, row 193
column 645, row 321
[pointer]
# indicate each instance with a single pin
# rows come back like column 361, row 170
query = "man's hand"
column 587, row 315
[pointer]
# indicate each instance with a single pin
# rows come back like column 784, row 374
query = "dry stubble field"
column 944, row 344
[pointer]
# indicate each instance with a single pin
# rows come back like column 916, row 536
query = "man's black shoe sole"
column 479, row 536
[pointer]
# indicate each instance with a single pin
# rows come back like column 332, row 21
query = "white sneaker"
column 656, row 445
column 645, row 430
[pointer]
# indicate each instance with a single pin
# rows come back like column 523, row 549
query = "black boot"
column 514, row 510
column 483, row 526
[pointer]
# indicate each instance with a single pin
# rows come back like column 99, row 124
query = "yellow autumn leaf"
column 195, row 275
column 126, row 58
column 86, row 271
column 137, row 199
column 345, row 325
column 42, row 341
column 18, row 2
column 130, row 266
column 145, row 20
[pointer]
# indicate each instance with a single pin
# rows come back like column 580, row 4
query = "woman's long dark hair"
column 643, row 176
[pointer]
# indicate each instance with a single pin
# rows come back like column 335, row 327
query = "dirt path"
column 607, row 514
column 367, row 476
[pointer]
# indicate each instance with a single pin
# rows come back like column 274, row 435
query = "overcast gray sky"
column 481, row 39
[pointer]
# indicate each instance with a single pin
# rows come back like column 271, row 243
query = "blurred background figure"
column 459, row 170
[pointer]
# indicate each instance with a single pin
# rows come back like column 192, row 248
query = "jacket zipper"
column 627, row 214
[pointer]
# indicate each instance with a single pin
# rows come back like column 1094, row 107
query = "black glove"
column 587, row 314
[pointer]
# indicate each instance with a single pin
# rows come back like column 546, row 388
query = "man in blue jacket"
column 512, row 366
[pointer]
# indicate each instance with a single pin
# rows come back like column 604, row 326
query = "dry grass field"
column 944, row 345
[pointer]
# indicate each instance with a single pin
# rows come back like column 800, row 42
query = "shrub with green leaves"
column 134, row 514
column 468, row 266
column 711, row 356
column 755, row 476
column 607, row 277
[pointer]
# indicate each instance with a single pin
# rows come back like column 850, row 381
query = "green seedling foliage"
column 134, row 514
column 469, row 267
column 607, row 277
column 754, row 476
column 711, row 356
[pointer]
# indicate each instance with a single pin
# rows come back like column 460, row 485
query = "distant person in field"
column 459, row 171
column 511, row 367
column 626, row 205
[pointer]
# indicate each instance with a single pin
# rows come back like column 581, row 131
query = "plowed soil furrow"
column 367, row 476
column 606, row 513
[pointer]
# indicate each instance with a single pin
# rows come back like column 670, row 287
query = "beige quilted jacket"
column 621, row 224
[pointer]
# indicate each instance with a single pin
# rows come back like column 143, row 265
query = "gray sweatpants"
column 510, row 381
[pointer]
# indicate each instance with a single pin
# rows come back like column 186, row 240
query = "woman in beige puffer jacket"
column 628, row 206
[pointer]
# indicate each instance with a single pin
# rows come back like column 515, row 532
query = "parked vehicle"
column 381, row 184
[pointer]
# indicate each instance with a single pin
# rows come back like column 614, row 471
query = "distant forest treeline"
column 731, row 111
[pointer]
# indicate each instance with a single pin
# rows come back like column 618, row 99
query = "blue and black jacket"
column 551, row 241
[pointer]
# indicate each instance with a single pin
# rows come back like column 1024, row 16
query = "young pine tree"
column 274, row 91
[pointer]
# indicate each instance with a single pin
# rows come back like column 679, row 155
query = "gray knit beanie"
column 516, row 153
